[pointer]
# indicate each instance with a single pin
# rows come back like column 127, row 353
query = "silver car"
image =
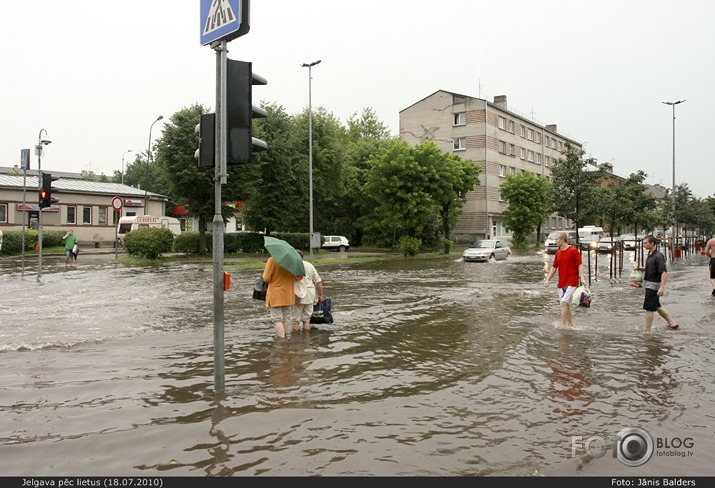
column 487, row 250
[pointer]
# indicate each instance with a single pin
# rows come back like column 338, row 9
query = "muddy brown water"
column 433, row 367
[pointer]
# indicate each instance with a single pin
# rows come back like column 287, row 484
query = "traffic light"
column 207, row 143
column 46, row 199
column 240, row 79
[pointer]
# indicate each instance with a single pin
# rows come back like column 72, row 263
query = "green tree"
column 366, row 136
column 575, row 195
column 454, row 178
column 414, row 190
column 183, row 181
column 275, row 196
column 529, row 201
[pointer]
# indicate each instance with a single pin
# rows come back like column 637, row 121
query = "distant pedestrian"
column 709, row 252
column 654, row 279
column 570, row 268
column 280, row 296
column 70, row 242
column 307, row 291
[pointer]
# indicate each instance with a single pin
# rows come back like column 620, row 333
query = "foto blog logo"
column 632, row 446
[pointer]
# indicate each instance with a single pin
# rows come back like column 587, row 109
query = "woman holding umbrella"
column 281, row 273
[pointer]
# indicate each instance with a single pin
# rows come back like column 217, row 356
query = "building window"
column 511, row 126
column 537, row 137
column 71, row 215
column 512, row 150
column 530, row 134
column 502, row 123
column 3, row 213
column 553, row 143
column 547, row 160
column 86, row 215
column 523, row 152
column 523, row 131
column 502, row 171
column 538, row 158
column 460, row 118
column 460, row 143
column 512, row 170
column 546, row 141
column 102, row 216
column 502, row 147
column 530, row 156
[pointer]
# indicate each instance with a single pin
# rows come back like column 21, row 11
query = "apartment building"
column 500, row 141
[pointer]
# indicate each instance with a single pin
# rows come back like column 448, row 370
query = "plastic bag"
column 582, row 297
column 322, row 312
column 636, row 278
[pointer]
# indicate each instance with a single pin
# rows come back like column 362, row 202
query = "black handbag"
column 322, row 313
column 260, row 289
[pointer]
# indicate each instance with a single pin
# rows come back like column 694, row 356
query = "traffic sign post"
column 117, row 204
column 221, row 22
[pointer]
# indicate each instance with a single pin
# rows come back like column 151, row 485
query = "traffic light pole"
column 39, row 210
column 220, row 176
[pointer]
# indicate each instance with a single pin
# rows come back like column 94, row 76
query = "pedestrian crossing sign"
column 223, row 20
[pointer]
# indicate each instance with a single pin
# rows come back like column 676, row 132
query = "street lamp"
column 41, row 141
column 148, row 155
column 125, row 152
column 675, row 231
column 310, row 150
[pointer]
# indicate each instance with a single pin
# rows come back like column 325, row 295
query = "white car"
column 487, row 250
column 337, row 243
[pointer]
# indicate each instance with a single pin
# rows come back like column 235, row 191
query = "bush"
column 12, row 241
column 187, row 242
column 149, row 242
column 409, row 245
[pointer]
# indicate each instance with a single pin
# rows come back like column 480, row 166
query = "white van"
column 589, row 235
column 128, row 224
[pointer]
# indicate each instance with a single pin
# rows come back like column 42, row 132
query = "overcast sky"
column 96, row 73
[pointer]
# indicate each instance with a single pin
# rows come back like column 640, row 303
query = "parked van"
column 128, row 224
column 589, row 235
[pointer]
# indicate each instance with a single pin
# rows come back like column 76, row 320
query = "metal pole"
column 24, row 216
column 148, row 156
column 310, row 151
column 310, row 157
column 128, row 151
column 39, row 210
column 220, row 150
column 675, row 230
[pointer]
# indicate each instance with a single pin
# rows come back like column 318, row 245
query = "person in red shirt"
column 570, row 268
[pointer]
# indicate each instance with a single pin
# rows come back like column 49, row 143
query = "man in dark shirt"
column 654, row 280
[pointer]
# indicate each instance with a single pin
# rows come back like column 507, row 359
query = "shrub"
column 149, row 242
column 409, row 245
column 187, row 242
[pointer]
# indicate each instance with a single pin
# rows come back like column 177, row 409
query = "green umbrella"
column 284, row 255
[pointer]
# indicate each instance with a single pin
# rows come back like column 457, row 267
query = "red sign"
column 117, row 203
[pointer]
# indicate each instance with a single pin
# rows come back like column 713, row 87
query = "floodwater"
column 433, row 367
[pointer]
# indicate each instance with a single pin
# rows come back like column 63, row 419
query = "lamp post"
column 125, row 152
column 41, row 141
column 148, row 155
column 310, row 150
column 673, row 104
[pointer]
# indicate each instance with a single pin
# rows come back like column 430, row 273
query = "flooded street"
column 433, row 367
